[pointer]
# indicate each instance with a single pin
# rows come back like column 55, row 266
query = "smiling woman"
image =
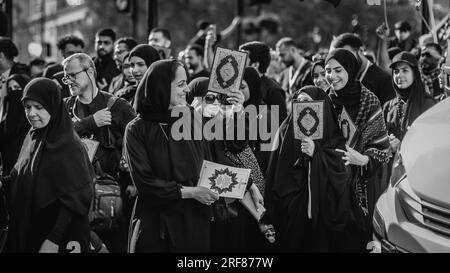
column 367, row 151
column 172, row 211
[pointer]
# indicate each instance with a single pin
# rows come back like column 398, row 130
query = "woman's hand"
column 352, row 157
column 308, row 146
column 49, row 247
column 257, row 197
column 236, row 97
column 303, row 97
column 201, row 194
column 395, row 143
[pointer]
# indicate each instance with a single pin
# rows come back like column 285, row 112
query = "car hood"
column 425, row 152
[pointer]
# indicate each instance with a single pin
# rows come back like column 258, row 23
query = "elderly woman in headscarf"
column 141, row 57
column 233, row 229
column 411, row 100
column 367, row 149
column 309, row 184
column 172, row 214
column 50, row 187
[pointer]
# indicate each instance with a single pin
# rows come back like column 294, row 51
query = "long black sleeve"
column 159, row 191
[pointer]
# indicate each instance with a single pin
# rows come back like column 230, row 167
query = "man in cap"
column 403, row 38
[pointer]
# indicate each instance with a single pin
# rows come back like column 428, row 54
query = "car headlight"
column 398, row 170
column 378, row 225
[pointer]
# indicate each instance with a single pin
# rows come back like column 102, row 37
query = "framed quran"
column 347, row 126
column 226, row 181
column 308, row 119
column 227, row 70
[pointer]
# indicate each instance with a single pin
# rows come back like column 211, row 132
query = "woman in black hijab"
column 13, row 130
column 15, row 127
column 51, row 184
column 367, row 146
column 411, row 100
column 172, row 214
column 141, row 57
column 309, row 184
column 233, row 229
column 318, row 75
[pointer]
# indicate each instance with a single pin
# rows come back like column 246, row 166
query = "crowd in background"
column 319, row 195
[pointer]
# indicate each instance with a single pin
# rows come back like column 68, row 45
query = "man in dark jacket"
column 272, row 93
column 104, row 62
column 298, row 72
column 96, row 118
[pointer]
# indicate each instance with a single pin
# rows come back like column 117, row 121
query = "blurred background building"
column 37, row 24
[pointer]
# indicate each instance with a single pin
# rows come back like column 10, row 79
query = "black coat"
column 110, row 147
column 159, row 167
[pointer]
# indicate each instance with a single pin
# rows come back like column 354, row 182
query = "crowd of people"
column 318, row 195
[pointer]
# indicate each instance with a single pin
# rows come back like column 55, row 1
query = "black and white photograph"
column 224, row 134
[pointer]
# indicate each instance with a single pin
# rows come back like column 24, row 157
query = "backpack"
column 107, row 203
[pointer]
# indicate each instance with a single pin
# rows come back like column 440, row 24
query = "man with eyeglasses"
column 430, row 60
column 122, row 47
column 67, row 45
column 104, row 62
column 95, row 118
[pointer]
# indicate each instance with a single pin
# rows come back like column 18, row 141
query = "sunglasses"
column 221, row 98
column 14, row 89
column 426, row 55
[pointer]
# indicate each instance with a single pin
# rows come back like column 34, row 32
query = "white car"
column 413, row 215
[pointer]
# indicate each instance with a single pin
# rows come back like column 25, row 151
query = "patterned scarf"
column 429, row 78
column 246, row 159
column 371, row 139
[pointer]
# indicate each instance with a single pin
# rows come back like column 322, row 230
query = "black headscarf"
column 53, row 165
column 418, row 101
column 328, row 176
column 16, row 119
column 350, row 95
column 146, row 52
column 198, row 88
column 253, row 80
column 318, row 63
column 65, row 90
column 153, row 94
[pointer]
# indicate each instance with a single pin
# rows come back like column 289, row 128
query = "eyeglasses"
column 426, row 55
column 69, row 78
column 210, row 98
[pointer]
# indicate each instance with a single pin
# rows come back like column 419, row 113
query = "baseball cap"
column 404, row 57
